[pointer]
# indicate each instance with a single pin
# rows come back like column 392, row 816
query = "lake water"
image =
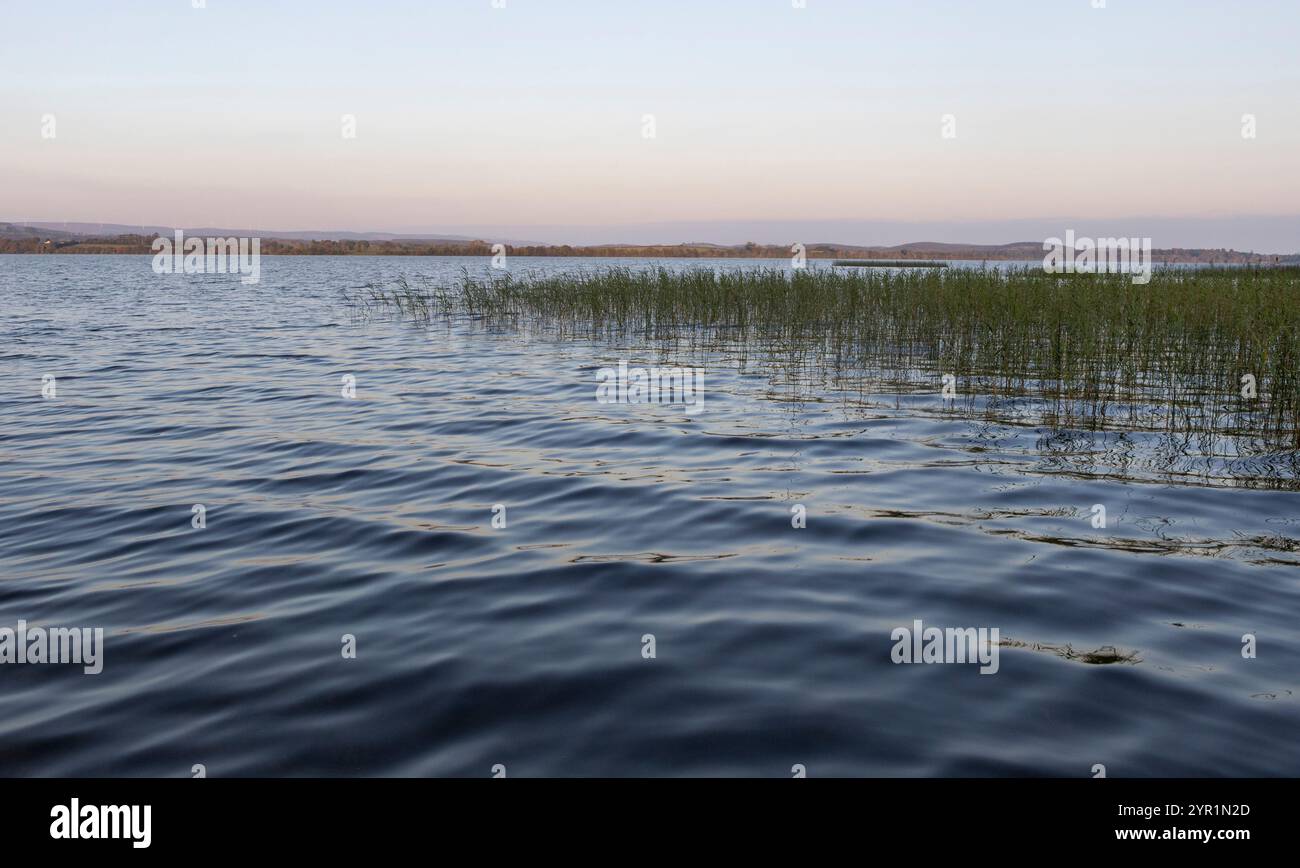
column 372, row 517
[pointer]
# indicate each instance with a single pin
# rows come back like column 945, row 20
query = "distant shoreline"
column 141, row 245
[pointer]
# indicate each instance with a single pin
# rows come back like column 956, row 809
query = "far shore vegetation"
column 1025, row 251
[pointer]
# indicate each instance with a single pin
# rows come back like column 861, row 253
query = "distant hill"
column 112, row 230
column 11, row 230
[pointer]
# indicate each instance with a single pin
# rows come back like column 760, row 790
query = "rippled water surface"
column 522, row 645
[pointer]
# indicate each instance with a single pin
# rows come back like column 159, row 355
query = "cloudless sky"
column 530, row 117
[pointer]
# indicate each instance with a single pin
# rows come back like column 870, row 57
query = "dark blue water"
column 522, row 646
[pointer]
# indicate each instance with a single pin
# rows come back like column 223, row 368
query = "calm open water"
column 522, row 646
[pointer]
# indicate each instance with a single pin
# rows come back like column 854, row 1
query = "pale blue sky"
column 528, row 120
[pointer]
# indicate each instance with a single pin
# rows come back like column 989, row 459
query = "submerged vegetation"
column 1195, row 350
column 1103, row 656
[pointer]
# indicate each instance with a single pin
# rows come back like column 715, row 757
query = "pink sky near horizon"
column 531, row 119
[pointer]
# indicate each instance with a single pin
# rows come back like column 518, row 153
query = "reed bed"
column 1089, row 350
